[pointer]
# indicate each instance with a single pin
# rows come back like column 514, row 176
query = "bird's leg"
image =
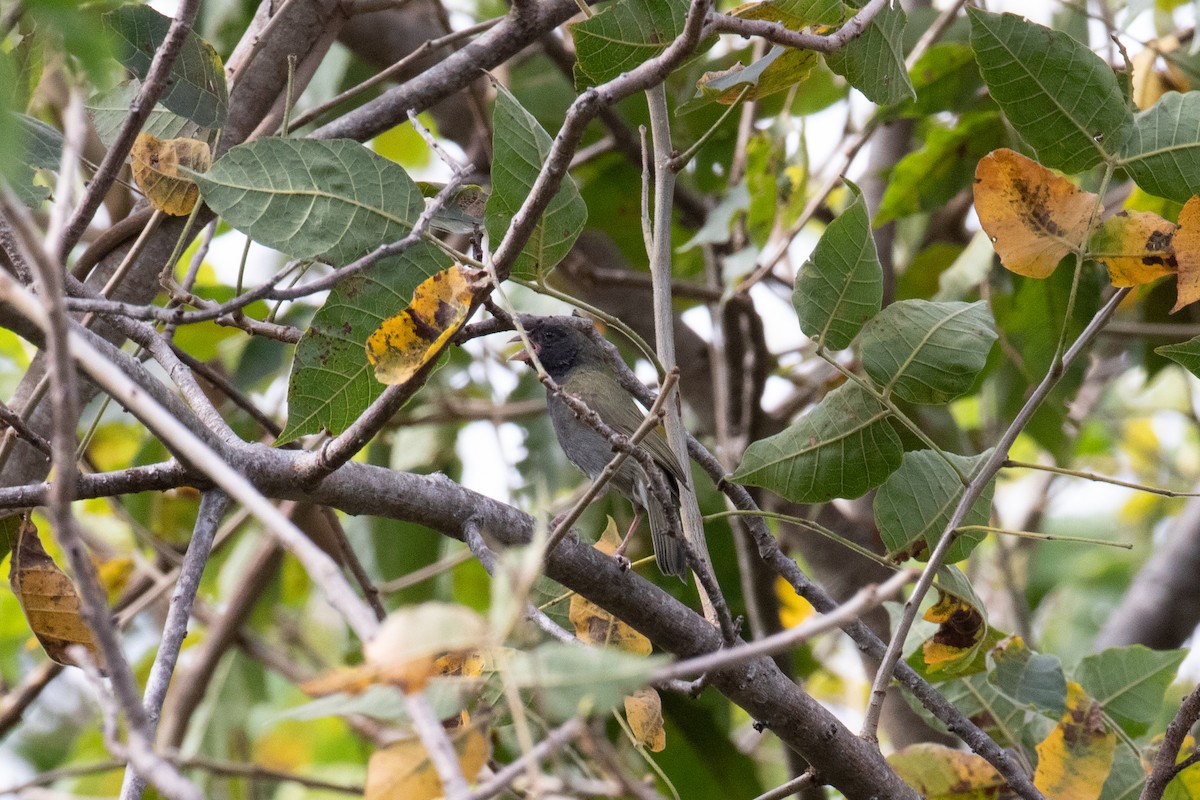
column 619, row 553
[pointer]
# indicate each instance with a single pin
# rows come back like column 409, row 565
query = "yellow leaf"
column 793, row 609
column 48, row 599
column 1033, row 216
column 403, row 770
column 405, row 343
column 1187, row 249
column 643, row 709
column 156, row 164
column 114, row 575
column 938, row 772
column 1075, row 759
column 610, row 539
column 594, row 625
column 1135, row 246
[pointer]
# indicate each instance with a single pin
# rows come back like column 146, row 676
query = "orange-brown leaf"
column 48, row 599
column 1075, row 759
column 403, row 769
column 1136, row 246
column 405, row 343
column 1187, row 249
column 1033, row 216
column 594, row 625
column 643, row 709
column 156, row 164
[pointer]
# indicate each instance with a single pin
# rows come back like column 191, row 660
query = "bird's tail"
column 669, row 551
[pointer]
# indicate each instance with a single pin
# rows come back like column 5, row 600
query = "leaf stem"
column 1044, row 537
column 1092, row 476
column 808, row 524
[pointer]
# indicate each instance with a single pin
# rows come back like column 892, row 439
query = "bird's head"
column 560, row 345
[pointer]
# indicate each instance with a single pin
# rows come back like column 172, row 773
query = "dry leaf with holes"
column 643, row 710
column 405, row 343
column 156, row 171
column 1136, row 246
column 48, row 599
column 403, row 770
column 1033, row 216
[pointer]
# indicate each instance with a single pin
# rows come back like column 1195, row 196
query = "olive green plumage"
column 578, row 365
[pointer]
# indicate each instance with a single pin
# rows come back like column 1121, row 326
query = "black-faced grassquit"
column 578, row 365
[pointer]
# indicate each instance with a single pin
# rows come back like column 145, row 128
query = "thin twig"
column 1164, row 768
column 474, row 539
column 559, row 737
column 437, row 745
column 972, row 493
column 776, row 33
column 794, row 786
column 213, row 505
column 867, row 599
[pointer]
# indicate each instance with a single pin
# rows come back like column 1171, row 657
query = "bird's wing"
column 618, row 409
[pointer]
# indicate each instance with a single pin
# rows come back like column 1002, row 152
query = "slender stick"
column 972, row 493
column 1168, row 750
column 213, row 505
column 664, row 334
column 867, row 598
column 1092, row 476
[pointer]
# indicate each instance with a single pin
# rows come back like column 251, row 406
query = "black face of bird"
column 557, row 346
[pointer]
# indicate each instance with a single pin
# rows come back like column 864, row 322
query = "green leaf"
column 1126, row 778
column 1163, row 151
column 945, row 78
column 196, row 88
column 1129, row 682
column 913, row 506
column 841, row 448
column 1059, row 95
column 520, row 147
column 43, row 143
column 566, row 680
column 110, row 109
column 873, row 63
column 928, row 352
column 979, row 700
column 1186, row 354
column 1030, row 679
column 929, row 177
column 624, row 35
column 332, row 383
column 796, row 14
column 952, row 580
column 329, row 199
column 840, row 286
column 781, row 68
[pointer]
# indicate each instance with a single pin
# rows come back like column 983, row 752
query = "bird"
column 578, row 365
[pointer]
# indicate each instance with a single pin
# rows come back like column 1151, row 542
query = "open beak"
column 520, row 355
